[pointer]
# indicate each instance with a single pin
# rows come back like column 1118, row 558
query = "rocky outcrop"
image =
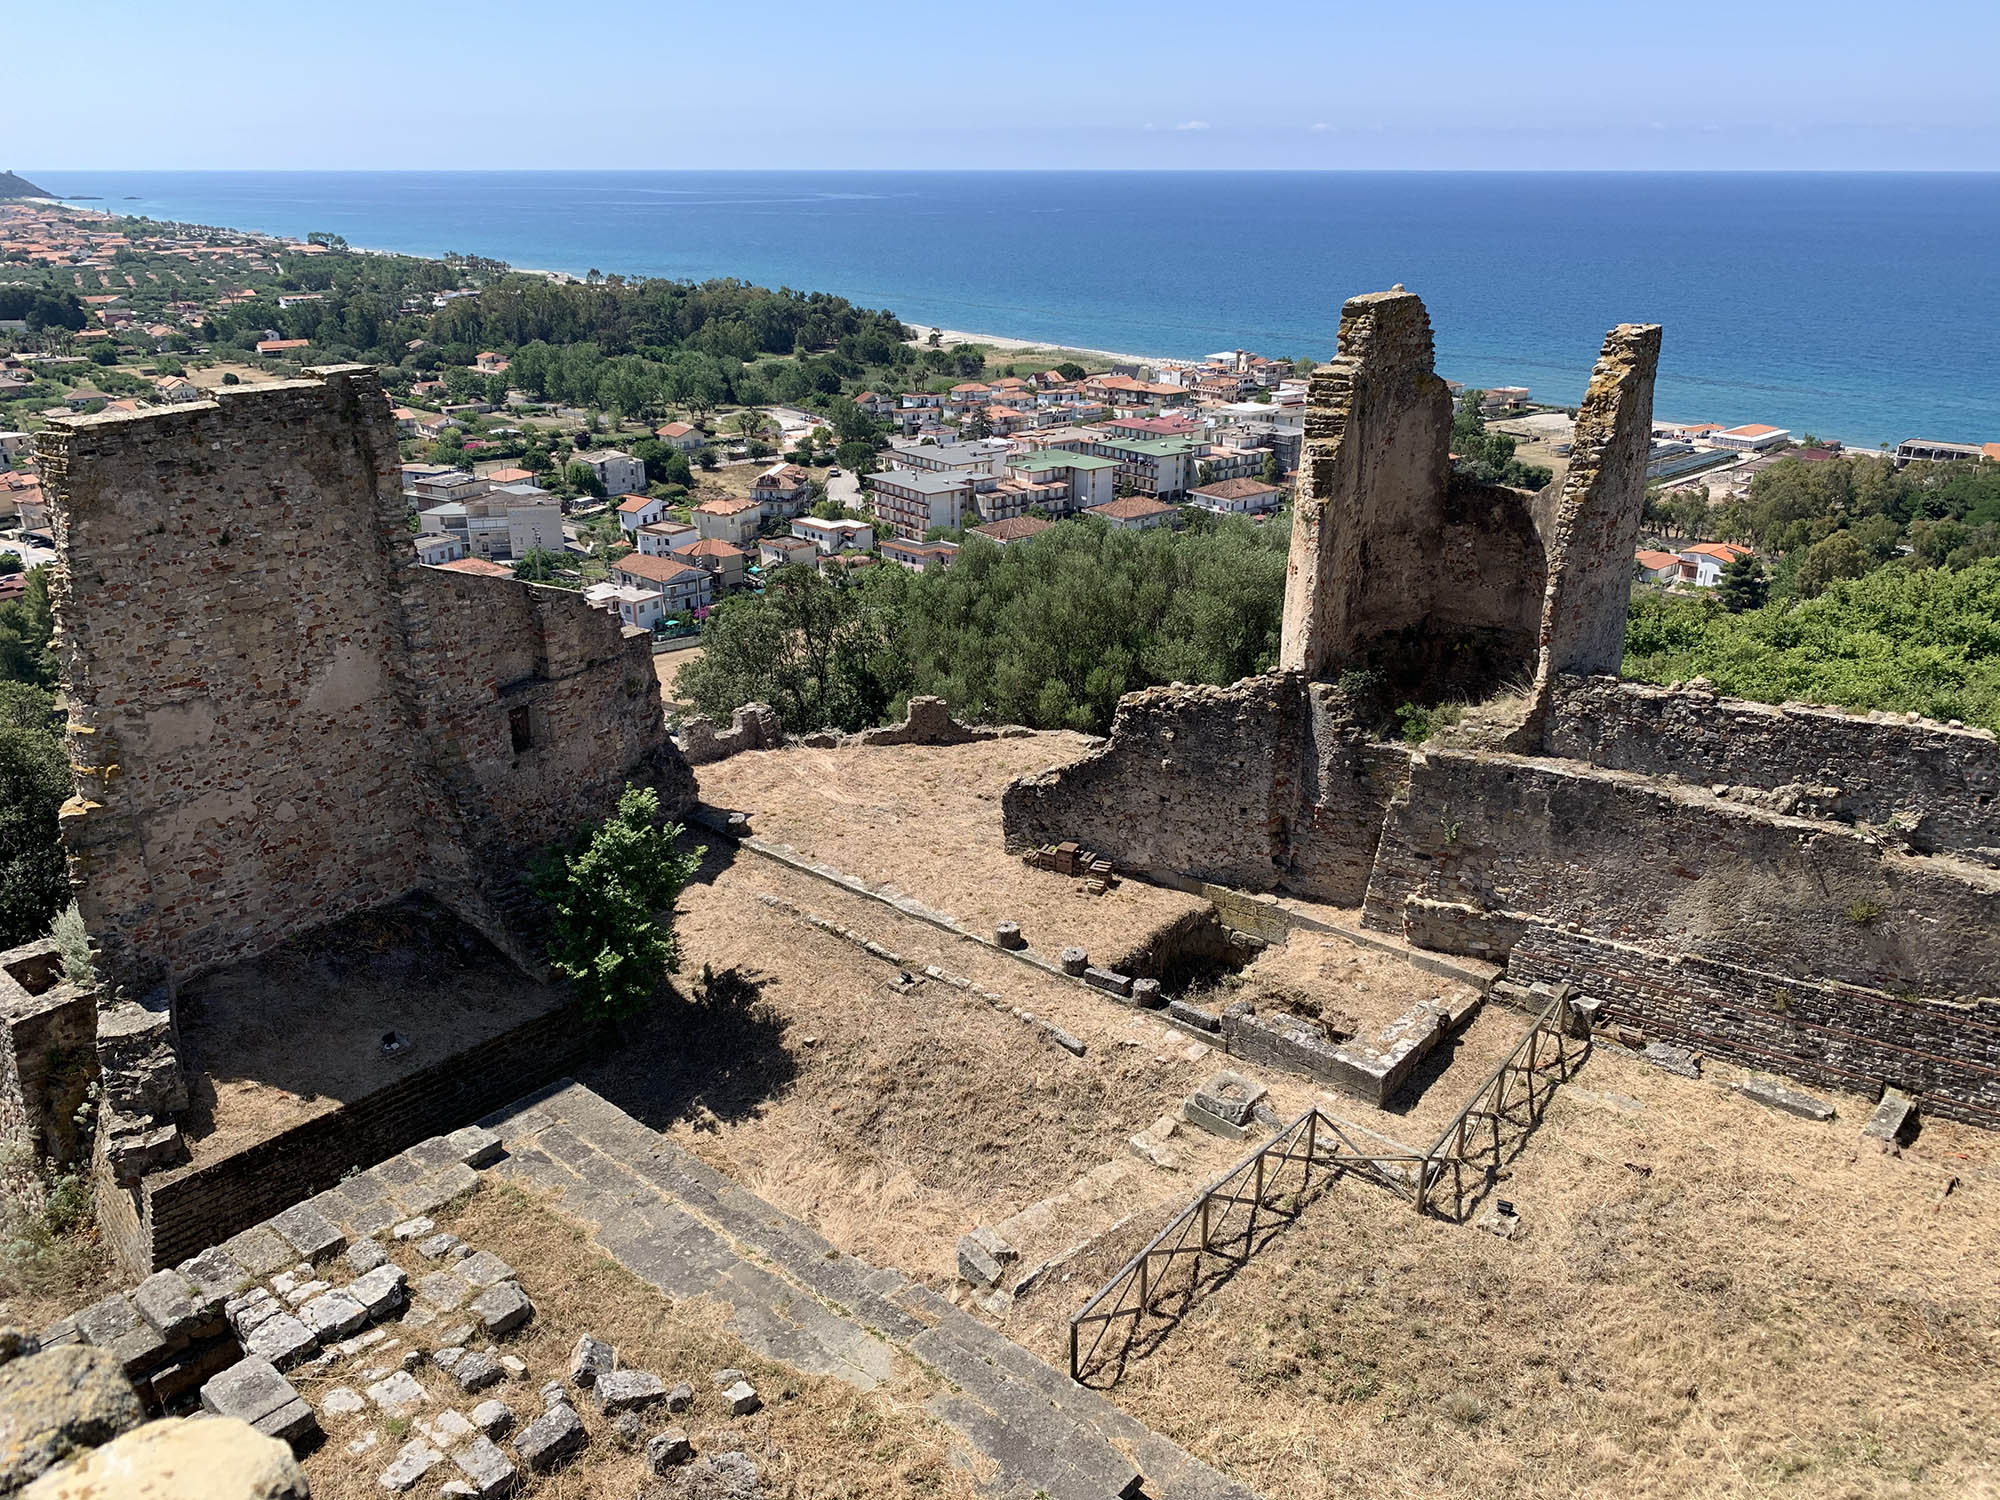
column 180, row 1459
column 56, row 1402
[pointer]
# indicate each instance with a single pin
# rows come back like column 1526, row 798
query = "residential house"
column 910, row 502
column 969, row 395
column 1937, row 451
column 1239, row 496
column 1501, row 398
column 176, row 389
column 438, row 547
column 444, row 486
column 665, row 538
column 507, row 474
column 729, row 520
column 619, row 473
column 635, row 511
column 782, row 490
column 489, row 363
column 1135, row 513
column 643, row 608
column 1012, row 529
column 984, row 456
column 1084, row 478
column 1177, row 426
column 281, row 346
column 727, row 564
column 1126, row 391
column 682, row 437
column 776, row 551
column 918, row 557
column 682, row 586
column 1656, row 567
column 835, row 536
column 875, row 405
column 13, row 445
column 1702, row 564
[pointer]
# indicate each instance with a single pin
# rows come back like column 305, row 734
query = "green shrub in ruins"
column 611, row 901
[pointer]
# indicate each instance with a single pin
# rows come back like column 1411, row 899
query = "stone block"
column 398, row 1395
column 258, row 1250
column 1072, row 1045
column 1281, row 1040
column 742, row 1399
column 1008, row 935
column 628, row 1390
column 475, row 1146
column 434, row 1191
column 1074, row 962
column 282, row 1340
column 1146, row 994
column 333, row 1315
column 681, row 1397
column 475, row 1372
column 252, row 1390
column 1894, row 1121
column 342, row 1402
column 590, row 1358
column 141, row 1071
column 668, row 1450
column 1110, row 981
column 444, row 1290
column 489, row 1471
column 245, row 1312
column 1194, row 1015
column 556, row 1435
column 502, row 1308
column 379, row 1291
column 438, row 1246
column 976, row 1264
column 413, row 1229
column 1774, row 1095
column 115, row 1326
column 173, row 1459
column 494, row 1418
column 214, row 1275
column 310, row 1232
column 1230, row 1097
column 167, row 1300
column 364, row 1256
column 415, row 1459
column 483, row 1268
column 447, row 1429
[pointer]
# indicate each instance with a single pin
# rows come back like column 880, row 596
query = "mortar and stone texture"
column 278, row 717
column 1704, row 866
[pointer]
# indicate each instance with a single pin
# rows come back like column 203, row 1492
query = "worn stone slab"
column 252, row 1390
column 1194, row 1015
column 590, row 1358
column 489, row 1471
column 741, row 1398
column 483, row 1268
column 437, row 1190
column 668, row 1450
column 1109, row 980
column 398, row 1394
column 1777, row 1096
column 494, row 1418
column 438, row 1246
column 556, row 1435
column 365, row 1255
column 114, row 1325
column 416, row 1459
column 310, row 1232
column 475, row 1372
column 214, row 1275
column 1894, row 1120
column 1681, row 1061
column 167, row 1300
column 380, row 1291
column 475, row 1146
column 283, row 1340
column 414, row 1228
column 333, row 1315
column 628, row 1390
column 444, row 1290
column 502, row 1308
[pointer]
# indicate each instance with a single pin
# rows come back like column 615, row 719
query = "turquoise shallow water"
column 1863, row 306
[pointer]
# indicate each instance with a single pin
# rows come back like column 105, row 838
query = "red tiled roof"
column 631, row 505
column 478, row 565
column 654, row 569
column 1131, row 508
column 1013, row 528
column 1236, row 489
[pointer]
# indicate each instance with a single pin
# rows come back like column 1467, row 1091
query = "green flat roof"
column 1057, row 458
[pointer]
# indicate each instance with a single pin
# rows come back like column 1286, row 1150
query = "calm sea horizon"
column 1862, row 306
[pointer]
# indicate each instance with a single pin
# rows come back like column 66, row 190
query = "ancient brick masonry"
column 1793, row 887
column 277, row 717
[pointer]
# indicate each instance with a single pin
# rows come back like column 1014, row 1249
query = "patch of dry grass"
column 1708, row 1300
column 814, row 1439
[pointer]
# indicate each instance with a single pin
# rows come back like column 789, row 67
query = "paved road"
column 846, row 489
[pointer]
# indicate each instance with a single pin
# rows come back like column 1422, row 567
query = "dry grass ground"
column 668, row 666
column 1707, row 1299
column 926, row 819
column 814, row 1439
column 894, row 1121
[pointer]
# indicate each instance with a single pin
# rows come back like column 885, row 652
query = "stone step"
column 794, row 1297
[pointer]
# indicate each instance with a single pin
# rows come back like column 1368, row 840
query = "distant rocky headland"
column 14, row 186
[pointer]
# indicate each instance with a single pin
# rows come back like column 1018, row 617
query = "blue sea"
column 1862, row 306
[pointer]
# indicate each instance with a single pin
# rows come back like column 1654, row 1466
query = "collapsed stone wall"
column 1795, row 888
column 276, row 715
column 1512, row 839
column 1938, row 785
column 755, row 726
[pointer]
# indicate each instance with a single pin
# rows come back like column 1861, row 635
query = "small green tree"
column 1743, row 585
column 610, row 899
column 1274, row 471
column 538, row 565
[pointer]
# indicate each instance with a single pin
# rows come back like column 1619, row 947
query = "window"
column 520, row 728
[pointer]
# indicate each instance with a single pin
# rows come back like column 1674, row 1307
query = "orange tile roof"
column 476, row 565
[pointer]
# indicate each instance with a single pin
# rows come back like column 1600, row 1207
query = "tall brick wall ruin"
column 1793, row 887
column 277, row 717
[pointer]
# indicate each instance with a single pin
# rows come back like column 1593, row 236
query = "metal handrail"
column 1343, row 1152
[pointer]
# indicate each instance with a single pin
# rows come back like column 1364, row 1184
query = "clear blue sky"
column 1086, row 83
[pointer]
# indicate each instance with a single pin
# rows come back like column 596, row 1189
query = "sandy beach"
column 950, row 336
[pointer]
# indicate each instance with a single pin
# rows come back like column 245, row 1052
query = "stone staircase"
column 681, row 1226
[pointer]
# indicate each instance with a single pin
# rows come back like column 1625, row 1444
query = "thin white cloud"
column 1192, row 125
column 1320, row 125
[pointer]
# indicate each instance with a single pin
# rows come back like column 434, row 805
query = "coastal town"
column 659, row 514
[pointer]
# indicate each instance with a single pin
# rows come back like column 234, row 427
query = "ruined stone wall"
column 1198, row 780
column 277, row 716
column 1349, row 779
column 1372, row 477
column 1940, row 786
column 1838, row 1036
column 1674, row 868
